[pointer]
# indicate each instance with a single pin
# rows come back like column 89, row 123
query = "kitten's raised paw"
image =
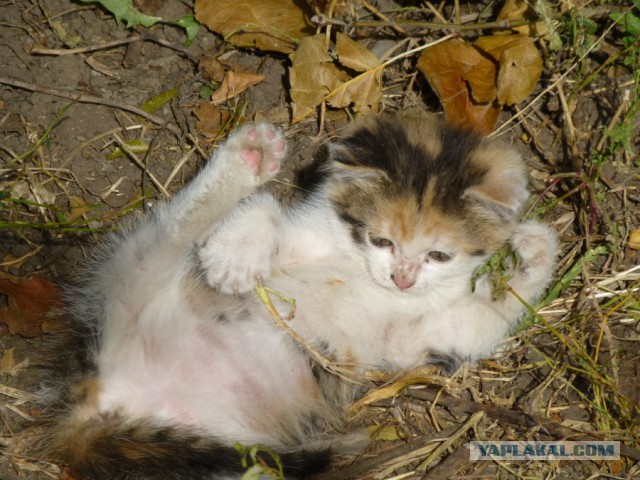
column 236, row 257
column 536, row 245
column 260, row 147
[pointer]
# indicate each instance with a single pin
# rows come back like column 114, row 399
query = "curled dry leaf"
column 520, row 65
column 516, row 9
column 273, row 25
column 32, row 303
column 464, row 80
column 363, row 92
column 354, row 55
column 235, row 83
column 312, row 76
column 315, row 76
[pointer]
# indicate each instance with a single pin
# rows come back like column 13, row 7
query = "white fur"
column 244, row 378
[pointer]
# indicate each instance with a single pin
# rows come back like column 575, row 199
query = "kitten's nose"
column 403, row 281
column 404, row 273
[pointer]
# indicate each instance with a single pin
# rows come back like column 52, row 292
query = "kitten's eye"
column 439, row 256
column 380, row 242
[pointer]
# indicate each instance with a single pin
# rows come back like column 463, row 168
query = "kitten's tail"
column 100, row 449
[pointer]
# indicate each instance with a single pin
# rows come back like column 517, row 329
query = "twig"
column 381, row 15
column 553, row 85
column 140, row 164
column 74, row 51
column 332, row 367
column 516, row 22
column 470, row 423
column 44, row 136
column 82, row 98
column 513, row 417
column 178, row 166
column 390, row 455
column 148, row 37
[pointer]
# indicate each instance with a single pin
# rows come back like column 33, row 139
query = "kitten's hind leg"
column 251, row 156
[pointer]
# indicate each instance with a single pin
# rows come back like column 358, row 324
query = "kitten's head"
column 426, row 203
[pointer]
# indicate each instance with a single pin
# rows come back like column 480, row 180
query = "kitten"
column 188, row 361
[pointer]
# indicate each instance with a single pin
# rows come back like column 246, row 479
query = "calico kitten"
column 187, row 360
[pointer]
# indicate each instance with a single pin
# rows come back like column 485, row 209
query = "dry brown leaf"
column 520, row 65
column 210, row 119
column 312, row 76
column 354, row 55
column 464, row 80
column 78, row 208
column 273, row 25
column 234, row 83
column 515, row 9
column 363, row 92
column 213, row 69
column 31, row 302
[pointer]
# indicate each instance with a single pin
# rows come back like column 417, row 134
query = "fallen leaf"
column 78, row 208
column 520, row 65
column 155, row 103
column 273, row 25
column 363, row 92
column 210, row 119
column 234, row 83
column 213, row 69
column 8, row 363
column 31, row 302
column 464, row 80
column 354, row 55
column 312, row 76
column 516, row 9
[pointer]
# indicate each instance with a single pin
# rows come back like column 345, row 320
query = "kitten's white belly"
column 241, row 378
column 237, row 379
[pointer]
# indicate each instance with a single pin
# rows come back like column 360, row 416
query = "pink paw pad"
column 252, row 158
column 252, row 134
column 279, row 147
column 272, row 167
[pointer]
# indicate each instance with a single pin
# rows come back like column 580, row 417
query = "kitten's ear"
column 503, row 189
column 344, row 164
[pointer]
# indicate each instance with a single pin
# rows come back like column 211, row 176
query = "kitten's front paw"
column 239, row 253
column 260, row 147
column 536, row 245
column 237, row 274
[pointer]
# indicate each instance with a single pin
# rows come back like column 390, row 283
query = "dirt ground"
column 573, row 374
